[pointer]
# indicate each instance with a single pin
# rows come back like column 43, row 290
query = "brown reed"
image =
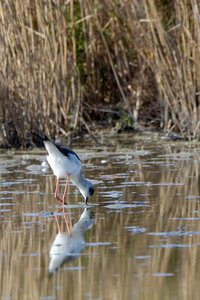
column 67, row 64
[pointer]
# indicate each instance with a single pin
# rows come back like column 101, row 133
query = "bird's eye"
column 91, row 191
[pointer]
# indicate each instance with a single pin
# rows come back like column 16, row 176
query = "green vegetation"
column 68, row 65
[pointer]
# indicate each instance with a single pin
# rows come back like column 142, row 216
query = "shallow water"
column 139, row 238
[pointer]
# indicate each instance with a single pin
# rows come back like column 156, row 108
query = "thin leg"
column 58, row 224
column 59, row 230
column 66, row 185
column 56, row 216
column 68, row 229
column 56, row 192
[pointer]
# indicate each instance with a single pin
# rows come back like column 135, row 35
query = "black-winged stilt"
column 65, row 163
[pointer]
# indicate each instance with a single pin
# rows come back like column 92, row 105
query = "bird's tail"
column 44, row 138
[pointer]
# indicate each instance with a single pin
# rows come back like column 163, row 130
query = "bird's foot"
column 61, row 200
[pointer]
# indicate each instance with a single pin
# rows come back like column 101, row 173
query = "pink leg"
column 56, row 192
column 58, row 224
column 59, row 229
column 66, row 185
column 68, row 229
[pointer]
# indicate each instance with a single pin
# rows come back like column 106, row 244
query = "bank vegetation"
column 74, row 66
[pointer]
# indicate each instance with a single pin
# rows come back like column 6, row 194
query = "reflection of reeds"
column 111, row 271
column 66, row 63
column 168, row 203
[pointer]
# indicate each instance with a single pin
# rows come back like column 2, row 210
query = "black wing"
column 66, row 151
column 62, row 149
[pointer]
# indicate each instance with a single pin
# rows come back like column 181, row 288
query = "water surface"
column 139, row 238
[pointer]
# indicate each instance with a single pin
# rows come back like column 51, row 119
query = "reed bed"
column 68, row 66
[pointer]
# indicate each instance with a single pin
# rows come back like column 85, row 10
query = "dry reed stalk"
column 174, row 59
column 60, row 58
column 37, row 66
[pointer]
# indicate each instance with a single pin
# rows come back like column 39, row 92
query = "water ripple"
column 175, row 233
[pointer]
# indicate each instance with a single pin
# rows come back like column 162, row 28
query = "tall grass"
column 173, row 52
column 67, row 64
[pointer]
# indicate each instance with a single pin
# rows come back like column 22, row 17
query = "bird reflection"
column 69, row 245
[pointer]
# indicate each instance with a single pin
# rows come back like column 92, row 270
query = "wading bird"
column 65, row 163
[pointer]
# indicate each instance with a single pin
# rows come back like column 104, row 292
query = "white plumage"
column 62, row 165
column 67, row 247
column 65, row 163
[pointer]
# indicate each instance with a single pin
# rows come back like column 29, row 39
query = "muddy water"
column 139, row 238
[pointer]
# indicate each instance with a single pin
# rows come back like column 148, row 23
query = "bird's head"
column 87, row 190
